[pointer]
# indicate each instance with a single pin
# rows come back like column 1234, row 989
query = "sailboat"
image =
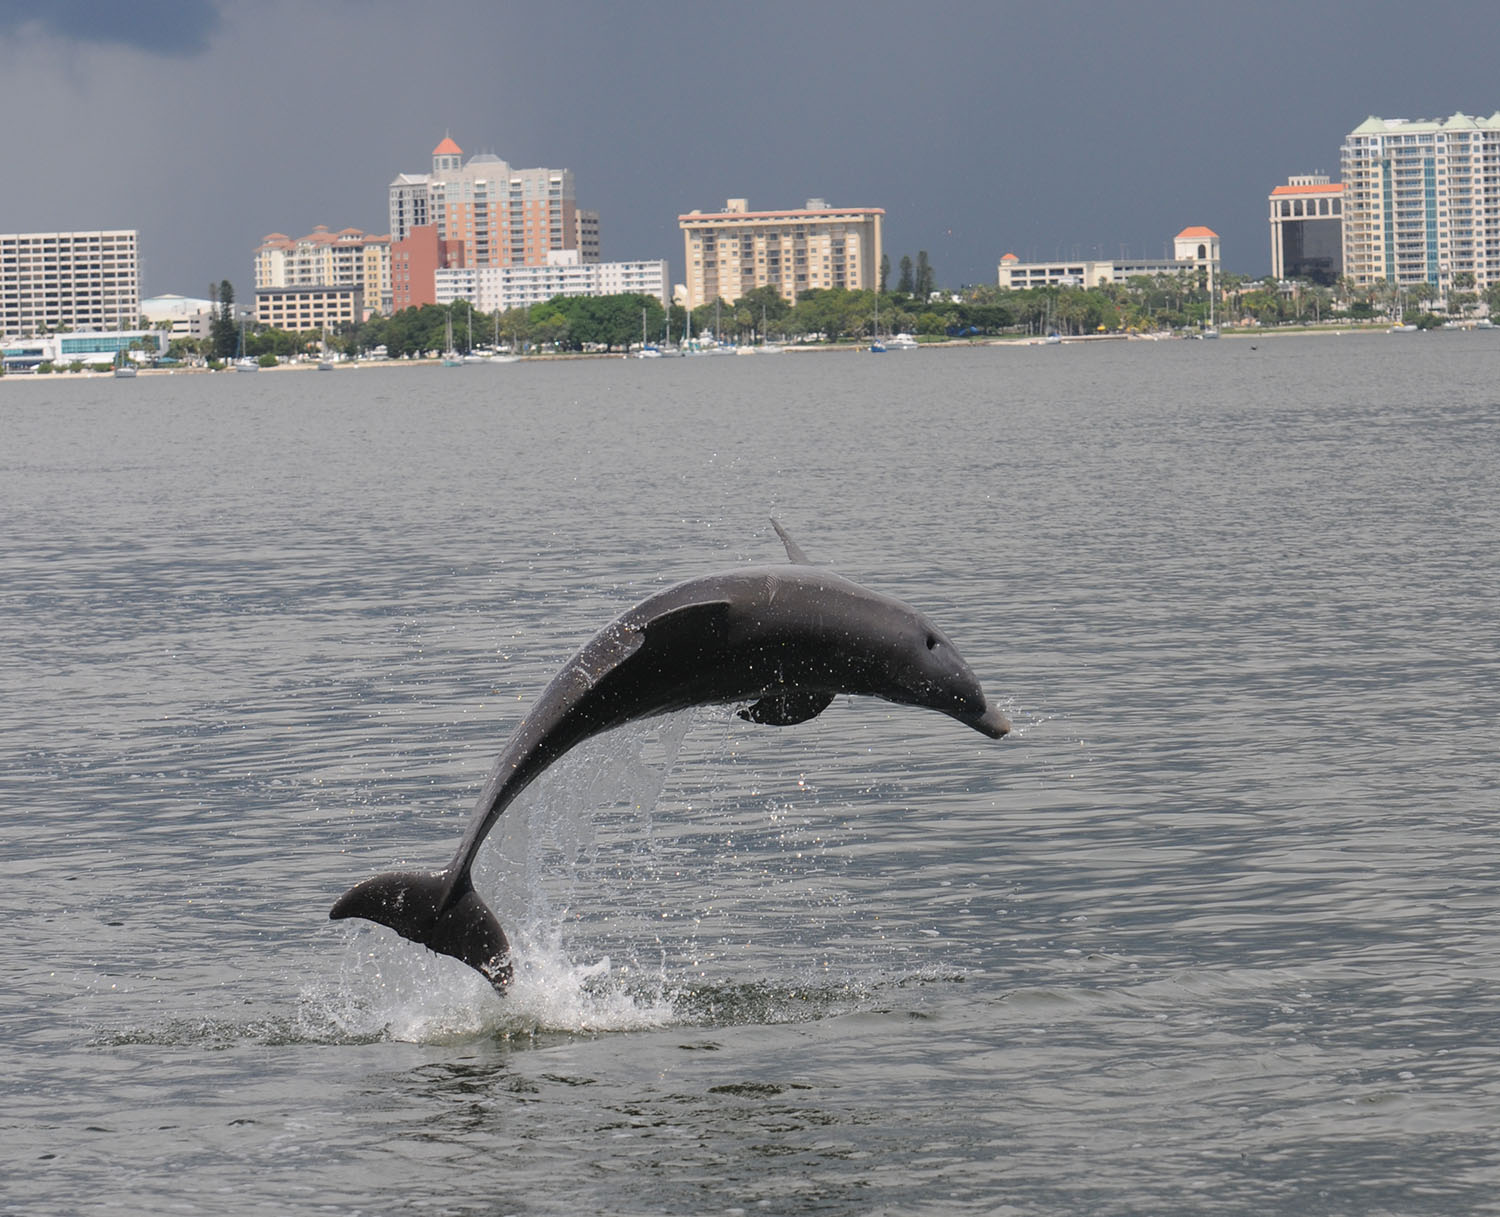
column 325, row 357
column 649, row 350
column 876, row 346
column 1212, row 331
column 124, row 368
column 496, row 356
column 469, row 356
column 450, row 354
column 766, row 346
column 243, row 362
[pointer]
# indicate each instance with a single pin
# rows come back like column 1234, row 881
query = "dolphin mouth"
column 991, row 723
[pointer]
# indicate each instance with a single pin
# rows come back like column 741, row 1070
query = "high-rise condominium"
column 53, row 281
column 1422, row 201
column 493, row 214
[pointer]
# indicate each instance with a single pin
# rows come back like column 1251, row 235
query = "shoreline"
column 1018, row 340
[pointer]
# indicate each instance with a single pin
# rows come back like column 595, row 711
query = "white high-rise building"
column 1422, row 200
column 489, row 288
column 53, row 281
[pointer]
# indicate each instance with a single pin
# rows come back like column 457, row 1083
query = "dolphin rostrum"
column 784, row 639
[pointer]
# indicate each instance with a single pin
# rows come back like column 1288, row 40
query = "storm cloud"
column 159, row 27
column 981, row 126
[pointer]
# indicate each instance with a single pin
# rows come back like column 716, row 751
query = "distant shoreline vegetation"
column 607, row 324
column 834, row 315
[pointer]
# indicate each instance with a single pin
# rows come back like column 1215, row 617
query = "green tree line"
column 617, row 323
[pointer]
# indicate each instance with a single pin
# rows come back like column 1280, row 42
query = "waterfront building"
column 728, row 253
column 415, row 260
column 184, row 316
column 320, row 307
column 68, row 280
column 1307, row 229
column 1193, row 249
column 1421, row 201
column 489, row 288
column 500, row 216
column 92, row 348
column 323, row 259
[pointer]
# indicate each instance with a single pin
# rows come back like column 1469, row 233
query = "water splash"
column 741, row 912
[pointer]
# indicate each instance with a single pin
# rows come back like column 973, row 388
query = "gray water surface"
column 1215, row 931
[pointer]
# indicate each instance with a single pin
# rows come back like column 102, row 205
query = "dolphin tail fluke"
column 425, row 907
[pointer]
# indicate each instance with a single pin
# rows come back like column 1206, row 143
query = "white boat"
column 496, row 356
column 1212, row 330
column 451, row 358
column 902, row 342
column 124, row 369
column 471, row 356
column 647, row 350
column 765, row 347
column 243, row 362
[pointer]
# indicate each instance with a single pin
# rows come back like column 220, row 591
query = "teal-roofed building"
column 1421, row 201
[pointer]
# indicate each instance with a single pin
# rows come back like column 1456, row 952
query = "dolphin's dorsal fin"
column 793, row 550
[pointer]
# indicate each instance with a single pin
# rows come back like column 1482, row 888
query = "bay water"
column 1214, row 931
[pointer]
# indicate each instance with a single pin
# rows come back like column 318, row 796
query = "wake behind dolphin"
column 784, row 639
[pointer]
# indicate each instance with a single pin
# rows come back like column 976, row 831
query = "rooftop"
column 1456, row 122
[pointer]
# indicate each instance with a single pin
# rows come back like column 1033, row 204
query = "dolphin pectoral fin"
column 787, row 708
column 793, row 550
column 419, row 906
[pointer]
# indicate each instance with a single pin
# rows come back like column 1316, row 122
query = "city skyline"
column 1071, row 130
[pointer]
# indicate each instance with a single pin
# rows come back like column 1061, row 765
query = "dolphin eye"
column 932, row 642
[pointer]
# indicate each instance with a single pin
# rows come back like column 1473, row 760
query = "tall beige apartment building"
column 729, row 252
column 52, row 281
column 323, row 259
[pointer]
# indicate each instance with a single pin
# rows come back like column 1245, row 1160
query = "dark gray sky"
column 1056, row 128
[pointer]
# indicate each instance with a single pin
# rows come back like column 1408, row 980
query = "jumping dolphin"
column 786, row 639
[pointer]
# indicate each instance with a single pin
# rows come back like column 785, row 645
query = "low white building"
column 1192, row 249
column 189, row 317
column 88, row 347
column 491, row 288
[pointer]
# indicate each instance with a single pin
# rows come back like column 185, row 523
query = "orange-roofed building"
column 501, row 216
column 348, row 258
column 1307, row 229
